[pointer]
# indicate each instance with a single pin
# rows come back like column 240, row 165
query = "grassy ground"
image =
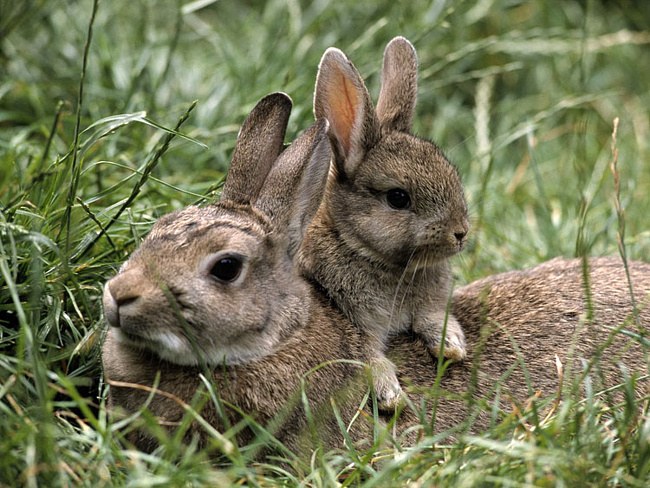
column 100, row 135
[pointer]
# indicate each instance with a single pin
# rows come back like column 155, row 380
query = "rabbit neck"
column 369, row 291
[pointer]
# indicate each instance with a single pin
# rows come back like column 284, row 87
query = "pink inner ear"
column 343, row 100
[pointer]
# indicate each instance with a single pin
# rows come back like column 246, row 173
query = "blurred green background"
column 521, row 95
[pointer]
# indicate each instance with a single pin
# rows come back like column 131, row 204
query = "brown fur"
column 266, row 389
column 516, row 323
column 257, row 335
column 274, row 331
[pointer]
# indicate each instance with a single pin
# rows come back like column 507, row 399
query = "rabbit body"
column 393, row 213
column 520, row 323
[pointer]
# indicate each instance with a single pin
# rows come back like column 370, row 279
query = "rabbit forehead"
column 413, row 164
column 194, row 232
column 191, row 223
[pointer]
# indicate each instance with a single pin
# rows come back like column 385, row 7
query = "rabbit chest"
column 384, row 303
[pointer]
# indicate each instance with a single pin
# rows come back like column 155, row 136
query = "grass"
column 115, row 113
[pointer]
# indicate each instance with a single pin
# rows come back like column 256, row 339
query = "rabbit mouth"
column 179, row 350
column 166, row 345
column 438, row 250
column 423, row 261
column 425, row 257
column 428, row 256
column 136, row 340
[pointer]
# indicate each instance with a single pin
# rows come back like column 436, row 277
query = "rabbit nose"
column 118, row 292
column 460, row 235
column 111, row 308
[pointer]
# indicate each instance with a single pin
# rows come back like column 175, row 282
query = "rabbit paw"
column 455, row 348
column 387, row 388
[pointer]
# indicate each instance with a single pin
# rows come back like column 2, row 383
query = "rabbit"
column 258, row 355
column 393, row 214
column 536, row 333
column 214, row 290
column 259, row 337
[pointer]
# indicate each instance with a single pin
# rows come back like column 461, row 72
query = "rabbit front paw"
column 387, row 388
column 455, row 347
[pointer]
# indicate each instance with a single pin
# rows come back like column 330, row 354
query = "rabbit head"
column 215, row 285
column 392, row 194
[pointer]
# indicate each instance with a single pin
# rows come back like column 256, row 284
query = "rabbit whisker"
column 400, row 282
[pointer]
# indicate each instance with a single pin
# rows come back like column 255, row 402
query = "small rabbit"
column 214, row 289
column 393, row 213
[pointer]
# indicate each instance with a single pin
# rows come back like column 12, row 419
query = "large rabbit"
column 393, row 213
column 214, row 289
column 216, row 285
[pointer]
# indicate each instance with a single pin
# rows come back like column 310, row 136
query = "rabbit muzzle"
column 124, row 293
column 111, row 308
column 130, row 305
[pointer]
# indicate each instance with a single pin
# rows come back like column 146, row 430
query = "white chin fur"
column 175, row 349
column 165, row 345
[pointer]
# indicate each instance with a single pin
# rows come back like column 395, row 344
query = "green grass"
column 99, row 136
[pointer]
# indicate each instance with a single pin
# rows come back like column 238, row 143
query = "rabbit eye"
column 226, row 269
column 398, row 199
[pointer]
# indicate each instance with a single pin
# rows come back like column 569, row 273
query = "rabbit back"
column 519, row 324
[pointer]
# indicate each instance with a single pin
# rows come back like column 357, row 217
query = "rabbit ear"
column 342, row 98
column 295, row 185
column 259, row 142
column 399, row 85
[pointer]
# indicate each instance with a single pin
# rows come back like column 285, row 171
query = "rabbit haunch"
column 518, row 325
column 393, row 213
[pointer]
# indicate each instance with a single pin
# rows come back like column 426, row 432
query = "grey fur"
column 387, row 269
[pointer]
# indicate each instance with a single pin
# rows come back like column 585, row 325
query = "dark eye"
column 398, row 198
column 227, row 269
